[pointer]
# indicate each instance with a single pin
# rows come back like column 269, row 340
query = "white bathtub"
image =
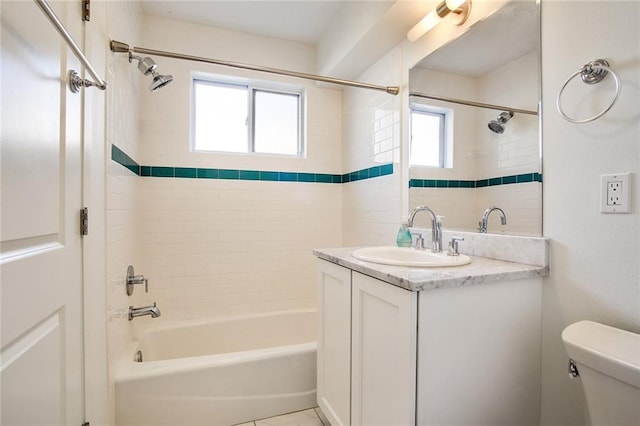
column 221, row 372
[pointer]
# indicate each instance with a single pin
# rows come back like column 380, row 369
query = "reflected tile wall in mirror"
column 469, row 68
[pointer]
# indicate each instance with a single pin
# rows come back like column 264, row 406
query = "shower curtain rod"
column 119, row 47
column 53, row 18
column 471, row 103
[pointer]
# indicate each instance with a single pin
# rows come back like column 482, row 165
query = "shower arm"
column 471, row 103
column 119, row 47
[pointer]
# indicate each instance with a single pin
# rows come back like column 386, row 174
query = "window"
column 430, row 131
column 251, row 117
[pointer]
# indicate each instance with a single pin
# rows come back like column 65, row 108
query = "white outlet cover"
column 616, row 200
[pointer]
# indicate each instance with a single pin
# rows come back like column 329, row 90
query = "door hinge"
column 84, row 221
column 86, row 10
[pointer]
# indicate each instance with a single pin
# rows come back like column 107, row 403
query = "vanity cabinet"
column 366, row 349
column 460, row 355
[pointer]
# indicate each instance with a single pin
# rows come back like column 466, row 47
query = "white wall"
column 164, row 116
column 594, row 257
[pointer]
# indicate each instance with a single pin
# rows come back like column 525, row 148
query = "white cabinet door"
column 383, row 367
column 41, row 374
column 479, row 354
column 334, row 342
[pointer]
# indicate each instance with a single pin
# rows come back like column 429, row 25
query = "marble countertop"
column 480, row 270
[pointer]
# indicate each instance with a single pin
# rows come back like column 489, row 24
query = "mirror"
column 480, row 156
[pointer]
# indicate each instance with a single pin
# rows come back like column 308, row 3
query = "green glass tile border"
column 371, row 172
column 481, row 183
column 123, row 159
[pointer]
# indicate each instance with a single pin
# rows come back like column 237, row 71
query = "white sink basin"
column 405, row 256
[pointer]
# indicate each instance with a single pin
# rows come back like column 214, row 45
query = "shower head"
column 159, row 81
column 497, row 125
column 148, row 66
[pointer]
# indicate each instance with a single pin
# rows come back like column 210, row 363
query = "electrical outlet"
column 614, row 189
column 615, row 193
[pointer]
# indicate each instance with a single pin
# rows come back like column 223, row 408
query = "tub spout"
column 152, row 311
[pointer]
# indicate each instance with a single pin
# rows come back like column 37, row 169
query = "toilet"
column 608, row 362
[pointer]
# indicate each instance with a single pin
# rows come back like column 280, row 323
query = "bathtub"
column 221, row 372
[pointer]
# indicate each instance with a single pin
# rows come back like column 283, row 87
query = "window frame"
column 445, row 142
column 252, row 87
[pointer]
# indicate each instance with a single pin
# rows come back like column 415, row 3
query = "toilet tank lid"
column 606, row 349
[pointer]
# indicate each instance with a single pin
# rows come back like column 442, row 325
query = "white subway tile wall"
column 371, row 208
column 453, row 204
column 121, row 185
column 211, row 248
column 517, row 150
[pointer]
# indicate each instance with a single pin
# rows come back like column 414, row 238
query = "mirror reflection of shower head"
column 148, row 66
column 497, row 125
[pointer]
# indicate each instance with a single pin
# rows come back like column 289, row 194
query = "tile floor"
column 310, row 417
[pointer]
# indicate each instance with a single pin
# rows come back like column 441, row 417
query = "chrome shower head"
column 497, row 126
column 148, row 66
column 159, row 81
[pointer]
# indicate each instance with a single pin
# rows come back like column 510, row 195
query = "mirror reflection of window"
column 430, row 136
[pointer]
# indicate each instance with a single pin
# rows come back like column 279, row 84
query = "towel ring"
column 591, row 73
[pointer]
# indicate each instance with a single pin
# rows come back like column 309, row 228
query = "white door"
column 40, row 246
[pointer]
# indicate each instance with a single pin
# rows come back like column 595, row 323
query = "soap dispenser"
column 403, row 239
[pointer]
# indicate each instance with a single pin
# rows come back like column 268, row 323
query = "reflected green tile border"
column 481, row 183
column 123, row 159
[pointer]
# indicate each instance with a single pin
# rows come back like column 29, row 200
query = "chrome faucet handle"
column 419, row 245
column 436, row 234
column 453, row 246
column 133, row 279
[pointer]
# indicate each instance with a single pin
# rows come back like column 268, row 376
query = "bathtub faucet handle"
column 133, row 279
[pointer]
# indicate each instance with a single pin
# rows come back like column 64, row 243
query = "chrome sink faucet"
column 482, row 225
column 436, row 227
column 153, row 311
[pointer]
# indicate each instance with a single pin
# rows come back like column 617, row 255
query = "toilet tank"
column 608, row 361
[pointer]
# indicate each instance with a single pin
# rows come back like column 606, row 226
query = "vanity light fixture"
column 460, row 9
